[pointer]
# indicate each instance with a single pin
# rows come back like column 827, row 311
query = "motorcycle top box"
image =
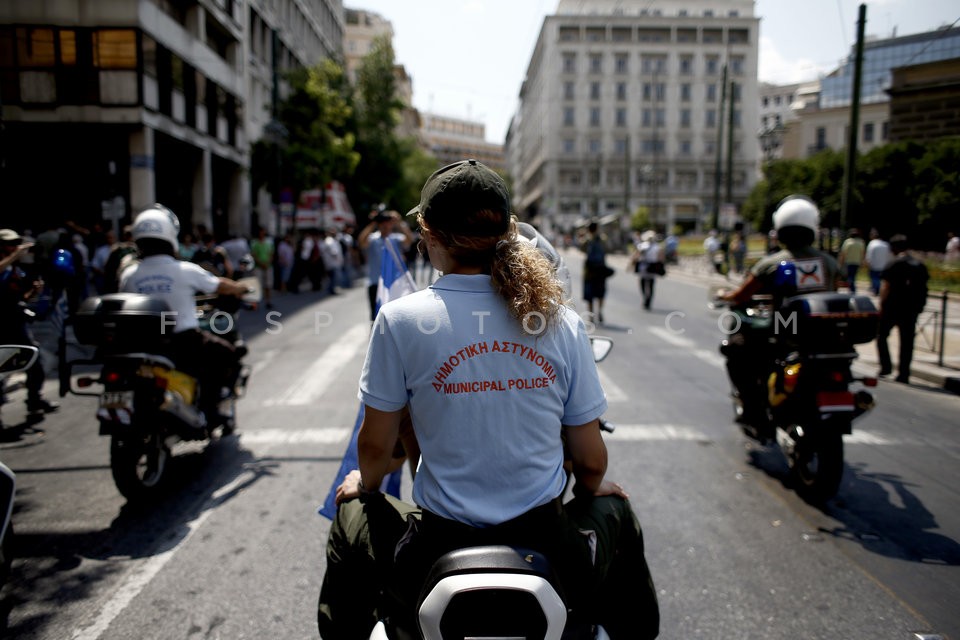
column 831, row 318
column 120, row 322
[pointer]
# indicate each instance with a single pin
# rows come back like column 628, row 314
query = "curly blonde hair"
column 521, row 275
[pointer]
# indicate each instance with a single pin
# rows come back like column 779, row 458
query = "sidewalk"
column 925, row 366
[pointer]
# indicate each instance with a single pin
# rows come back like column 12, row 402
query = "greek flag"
column 395, row 281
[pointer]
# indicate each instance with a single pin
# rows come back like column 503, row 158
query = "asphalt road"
column 236, row 549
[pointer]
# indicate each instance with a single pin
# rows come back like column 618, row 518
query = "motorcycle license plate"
column 116, row 400
column 835, row 401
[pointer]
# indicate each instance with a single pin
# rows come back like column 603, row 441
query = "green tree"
column 904, row 187
column 640, row 220
column 379, row 175
column 318, row 145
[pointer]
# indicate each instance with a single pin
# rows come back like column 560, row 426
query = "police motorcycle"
column 495, row 592
column 13, row 358
column 806, row 393
column 146, row 404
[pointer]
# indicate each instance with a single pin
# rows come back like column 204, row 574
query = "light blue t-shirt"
column 375, row 253
column 487, row 399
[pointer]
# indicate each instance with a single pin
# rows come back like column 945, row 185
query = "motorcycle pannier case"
column 831, row 318
column 123, row 322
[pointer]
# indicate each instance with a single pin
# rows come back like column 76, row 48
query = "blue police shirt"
column 487, row 400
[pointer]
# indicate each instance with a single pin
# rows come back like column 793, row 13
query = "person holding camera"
column 384, row 226
column 15, row 289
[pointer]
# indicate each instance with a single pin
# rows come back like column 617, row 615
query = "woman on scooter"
column 493, row 367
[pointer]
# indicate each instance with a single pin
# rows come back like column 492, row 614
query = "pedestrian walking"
column 713, row 251
column 595, row 271
column 285, row 260
column 851, row 257
column 331, row 252
column 952, row 250
column 877, row 258
column 648, row 264
column 903, row 295
column 262, row 249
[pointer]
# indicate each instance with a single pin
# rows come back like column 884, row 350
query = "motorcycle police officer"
column 160, row 273
column 795, row 221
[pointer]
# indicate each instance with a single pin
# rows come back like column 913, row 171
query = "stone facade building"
column 622, row 107
column 110, row 106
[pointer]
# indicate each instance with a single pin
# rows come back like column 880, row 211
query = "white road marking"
column 646, row 432
column 263, row 359
column 710, row 357
column 295, row 436
column 324, row 369
column 680, row 433
column 613, row 392
column 143, row 572
column 864, row 437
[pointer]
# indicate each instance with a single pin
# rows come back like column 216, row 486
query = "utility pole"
column 729, row 176
column 717, row 169
column 850, row 169
column 626, row 182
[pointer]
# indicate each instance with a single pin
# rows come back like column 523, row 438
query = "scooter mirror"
column 601, row 347
column 14, row 357
column 254, row 292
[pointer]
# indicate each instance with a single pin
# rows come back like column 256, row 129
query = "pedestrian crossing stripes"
column 315, row 380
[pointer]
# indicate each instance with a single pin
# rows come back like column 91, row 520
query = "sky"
column 468, row 58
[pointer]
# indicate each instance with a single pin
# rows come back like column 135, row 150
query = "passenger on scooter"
column 211, row 359
column 493, row 367
column 795, row 221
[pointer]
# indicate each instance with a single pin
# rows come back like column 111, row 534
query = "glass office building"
column 880, row 57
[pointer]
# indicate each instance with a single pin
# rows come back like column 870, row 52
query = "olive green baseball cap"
column 452, row 198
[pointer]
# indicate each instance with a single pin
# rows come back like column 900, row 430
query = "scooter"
column 13, row 358
column 495, row 591
column 804, row 386
column 147, row 405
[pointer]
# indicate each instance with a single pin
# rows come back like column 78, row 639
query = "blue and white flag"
column 395, row 281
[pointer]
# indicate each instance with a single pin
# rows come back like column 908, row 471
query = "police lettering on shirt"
column 494, row 348
column 154, row 284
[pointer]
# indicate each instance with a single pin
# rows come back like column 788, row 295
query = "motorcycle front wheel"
column 138, row 465
column 816, row 465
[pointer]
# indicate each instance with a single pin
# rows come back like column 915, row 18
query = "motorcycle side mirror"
column 254, row 292
column 15, row 357
column 601, row 347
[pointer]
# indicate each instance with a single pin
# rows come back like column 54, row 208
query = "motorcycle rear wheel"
column 816, row 466
column 138, row 466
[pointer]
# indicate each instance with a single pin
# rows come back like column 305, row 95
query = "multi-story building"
column 110, row 106
column 825, row 123
column 622, row 106
column 362, row 28
column 925, row 101
column 779, row 106
column 453, row 139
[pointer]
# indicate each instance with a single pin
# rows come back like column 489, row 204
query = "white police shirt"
column 487, row 400
column 174, row 281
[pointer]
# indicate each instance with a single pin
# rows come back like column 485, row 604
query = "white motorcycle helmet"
column 157, row 222
column 796, row 211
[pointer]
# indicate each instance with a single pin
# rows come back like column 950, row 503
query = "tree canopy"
column 904, row 187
